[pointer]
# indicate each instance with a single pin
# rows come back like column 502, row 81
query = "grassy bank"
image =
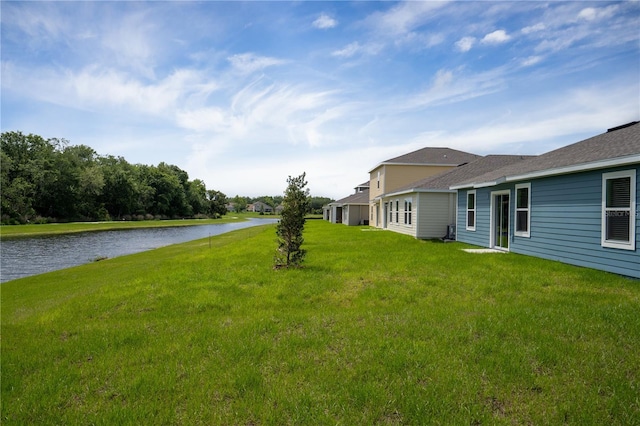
column 20, row 231
column 378, row 328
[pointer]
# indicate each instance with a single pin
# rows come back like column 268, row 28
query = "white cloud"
column 453, row 86
column 131, row 44
column 531, row 60
column 496, row 37
column 405, row 17
column 594, row 13
column 534, row 28
column 325, row 22
column 42, row 24
column 465, row 43
column 247, row 63
column 588, row 14
column 95, row 88
column 348, row 51
column 355, row 48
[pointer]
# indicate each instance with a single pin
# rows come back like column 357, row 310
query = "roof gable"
column 432, row 156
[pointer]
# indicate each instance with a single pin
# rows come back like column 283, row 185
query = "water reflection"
column 31, row 256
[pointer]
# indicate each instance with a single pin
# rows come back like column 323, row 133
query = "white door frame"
column 492, row 224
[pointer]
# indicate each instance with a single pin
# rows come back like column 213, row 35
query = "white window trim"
column 408, row 213
column 397, row 211
column 466, row 213
column 631, row 244
column 526, row 234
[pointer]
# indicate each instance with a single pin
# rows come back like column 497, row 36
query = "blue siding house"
column 577, row 204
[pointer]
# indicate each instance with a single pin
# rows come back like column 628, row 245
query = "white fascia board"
column 413, row 164
column 602, row 164
column 457, row 187
column 488, row 184
column 475, row 185
column 416, row 190
column 376, row 167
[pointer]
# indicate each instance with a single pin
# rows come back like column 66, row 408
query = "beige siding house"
column 425, row 208
column 396, row 173
column 351, row 210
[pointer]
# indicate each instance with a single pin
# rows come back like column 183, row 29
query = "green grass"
column 377, row 328
column 21, row 231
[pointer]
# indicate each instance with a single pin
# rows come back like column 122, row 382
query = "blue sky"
column 242, row 95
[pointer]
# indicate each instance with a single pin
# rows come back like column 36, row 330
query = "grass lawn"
column 377, row 328
column 20, row 231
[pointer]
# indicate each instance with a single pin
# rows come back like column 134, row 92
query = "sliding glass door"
column 500, row 220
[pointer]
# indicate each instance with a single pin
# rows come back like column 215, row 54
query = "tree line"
column 240, row 203
column 50, row 180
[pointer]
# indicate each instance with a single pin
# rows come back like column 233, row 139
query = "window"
column 391, row 212
column 407, row 211
column 471, row 210
column 619, row 210
column 397, row 211
column 378, row 179
column 523, row 209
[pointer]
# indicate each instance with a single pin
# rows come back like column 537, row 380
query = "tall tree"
column 291, row 226
column 197, row 197
column 217, row 203
column 119, row 194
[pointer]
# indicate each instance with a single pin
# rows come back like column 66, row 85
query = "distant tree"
column 318, row 202
column 217, row 203
column 26, row 165
column 197, row 197
column 240, row 203
column 120, row 192
column 291, row 226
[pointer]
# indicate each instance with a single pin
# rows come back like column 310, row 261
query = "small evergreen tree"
column 295, row 206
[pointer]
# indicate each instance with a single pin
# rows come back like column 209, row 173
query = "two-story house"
column 396, row 173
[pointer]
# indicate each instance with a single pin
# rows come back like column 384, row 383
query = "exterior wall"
column 397, row 176
column 376, row 190
column 334, row 213
column 354, row 214
column 392, row 177
column 436, row 212
column 398, row 225
column 566, row 222
column 481, row 236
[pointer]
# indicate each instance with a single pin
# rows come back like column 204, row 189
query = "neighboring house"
column 424, row 209
column 231, row 207
column 259, row 207
column 577, row 204
column 279, row 208
column 351, row 210
column 390, row 175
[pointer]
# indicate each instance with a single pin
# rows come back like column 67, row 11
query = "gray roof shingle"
column 358, row 198
column 434, row 156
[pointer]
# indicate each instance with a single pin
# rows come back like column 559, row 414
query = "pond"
column 31, row 256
